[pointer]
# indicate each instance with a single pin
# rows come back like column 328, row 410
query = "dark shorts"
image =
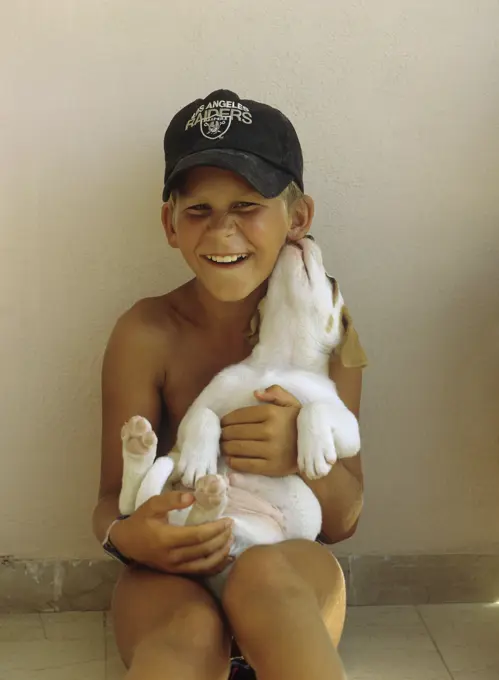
column 239, row 670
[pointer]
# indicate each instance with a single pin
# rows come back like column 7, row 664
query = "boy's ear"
column 302, row 215
column 167, row 220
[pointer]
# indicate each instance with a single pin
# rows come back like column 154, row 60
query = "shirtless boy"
column 233, row 187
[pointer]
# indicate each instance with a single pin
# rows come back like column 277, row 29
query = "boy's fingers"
column 248, row 432
column 253, row 466
column 278, row 396
column 248, row 414
column 212, row 564
column 191, row 553
column 173, row 500
column 245, row 449
column 178, row 537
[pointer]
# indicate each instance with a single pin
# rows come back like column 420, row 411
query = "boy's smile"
column 227, row 261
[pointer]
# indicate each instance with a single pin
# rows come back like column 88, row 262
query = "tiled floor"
column 459, row 642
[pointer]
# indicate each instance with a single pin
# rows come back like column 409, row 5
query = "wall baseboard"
column 87, row 585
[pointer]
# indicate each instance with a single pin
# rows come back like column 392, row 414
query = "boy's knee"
column 263, row 575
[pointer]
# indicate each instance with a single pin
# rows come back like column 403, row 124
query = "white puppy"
column 301, row 325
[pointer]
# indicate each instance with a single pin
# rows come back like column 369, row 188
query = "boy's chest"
column 194, row 363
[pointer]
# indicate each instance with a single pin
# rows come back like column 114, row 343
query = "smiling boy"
column 233, row 195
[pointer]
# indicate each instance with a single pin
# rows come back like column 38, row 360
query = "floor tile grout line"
column 56, row 668
column 42, row 624
column 104, row 631
column 430, row 635
column 64, row 665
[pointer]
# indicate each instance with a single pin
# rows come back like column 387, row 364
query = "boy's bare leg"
column 286, row 605
column 168, row 627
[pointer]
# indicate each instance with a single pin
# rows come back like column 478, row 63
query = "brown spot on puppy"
column 334, row 286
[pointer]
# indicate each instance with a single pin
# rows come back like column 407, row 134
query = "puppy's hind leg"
column 211, row 500
column 139, row 445
column 155, row 480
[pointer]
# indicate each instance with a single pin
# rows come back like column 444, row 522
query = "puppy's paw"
column 196, row 461
column 347, row 436
column 316, row 446
column 138, row 437
column 211, row 491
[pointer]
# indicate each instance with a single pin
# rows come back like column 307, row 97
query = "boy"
column 233, row 195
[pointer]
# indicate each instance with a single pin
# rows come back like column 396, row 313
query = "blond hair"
column 291, row 194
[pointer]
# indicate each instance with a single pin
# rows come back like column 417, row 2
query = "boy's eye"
column 199, row 208
column 244, row 205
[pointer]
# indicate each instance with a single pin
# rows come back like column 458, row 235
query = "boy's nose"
column 225, row 222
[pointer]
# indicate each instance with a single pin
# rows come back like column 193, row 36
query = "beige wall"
column 397, row 106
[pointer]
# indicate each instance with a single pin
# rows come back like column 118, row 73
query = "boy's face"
column 219, row 214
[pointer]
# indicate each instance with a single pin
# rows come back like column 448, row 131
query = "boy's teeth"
column 226, row 258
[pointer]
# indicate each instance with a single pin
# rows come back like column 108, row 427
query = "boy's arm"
column 341, row 492
column 131, row 384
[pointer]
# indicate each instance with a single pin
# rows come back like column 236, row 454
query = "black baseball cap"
column 251, row 139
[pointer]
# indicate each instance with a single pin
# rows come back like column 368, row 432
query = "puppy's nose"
column 310, row 237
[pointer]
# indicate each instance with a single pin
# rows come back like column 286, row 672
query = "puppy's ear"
column 335, row 288
column 349, row 350
column 253, row 333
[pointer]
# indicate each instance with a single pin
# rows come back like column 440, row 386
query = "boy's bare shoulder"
column 150, row 324
column 155, row 315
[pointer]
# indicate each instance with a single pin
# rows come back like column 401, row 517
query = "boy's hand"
column 147, row 538
column 262, row 439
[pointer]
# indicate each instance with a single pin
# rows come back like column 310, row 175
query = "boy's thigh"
column 154, row 607
column 264, row 572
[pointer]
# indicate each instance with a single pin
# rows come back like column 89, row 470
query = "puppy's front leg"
column 199, row 443
column 327, row 430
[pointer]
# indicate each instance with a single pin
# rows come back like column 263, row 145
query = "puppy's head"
column 301, row 290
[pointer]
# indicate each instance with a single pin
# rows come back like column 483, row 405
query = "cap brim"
column 268, row 180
